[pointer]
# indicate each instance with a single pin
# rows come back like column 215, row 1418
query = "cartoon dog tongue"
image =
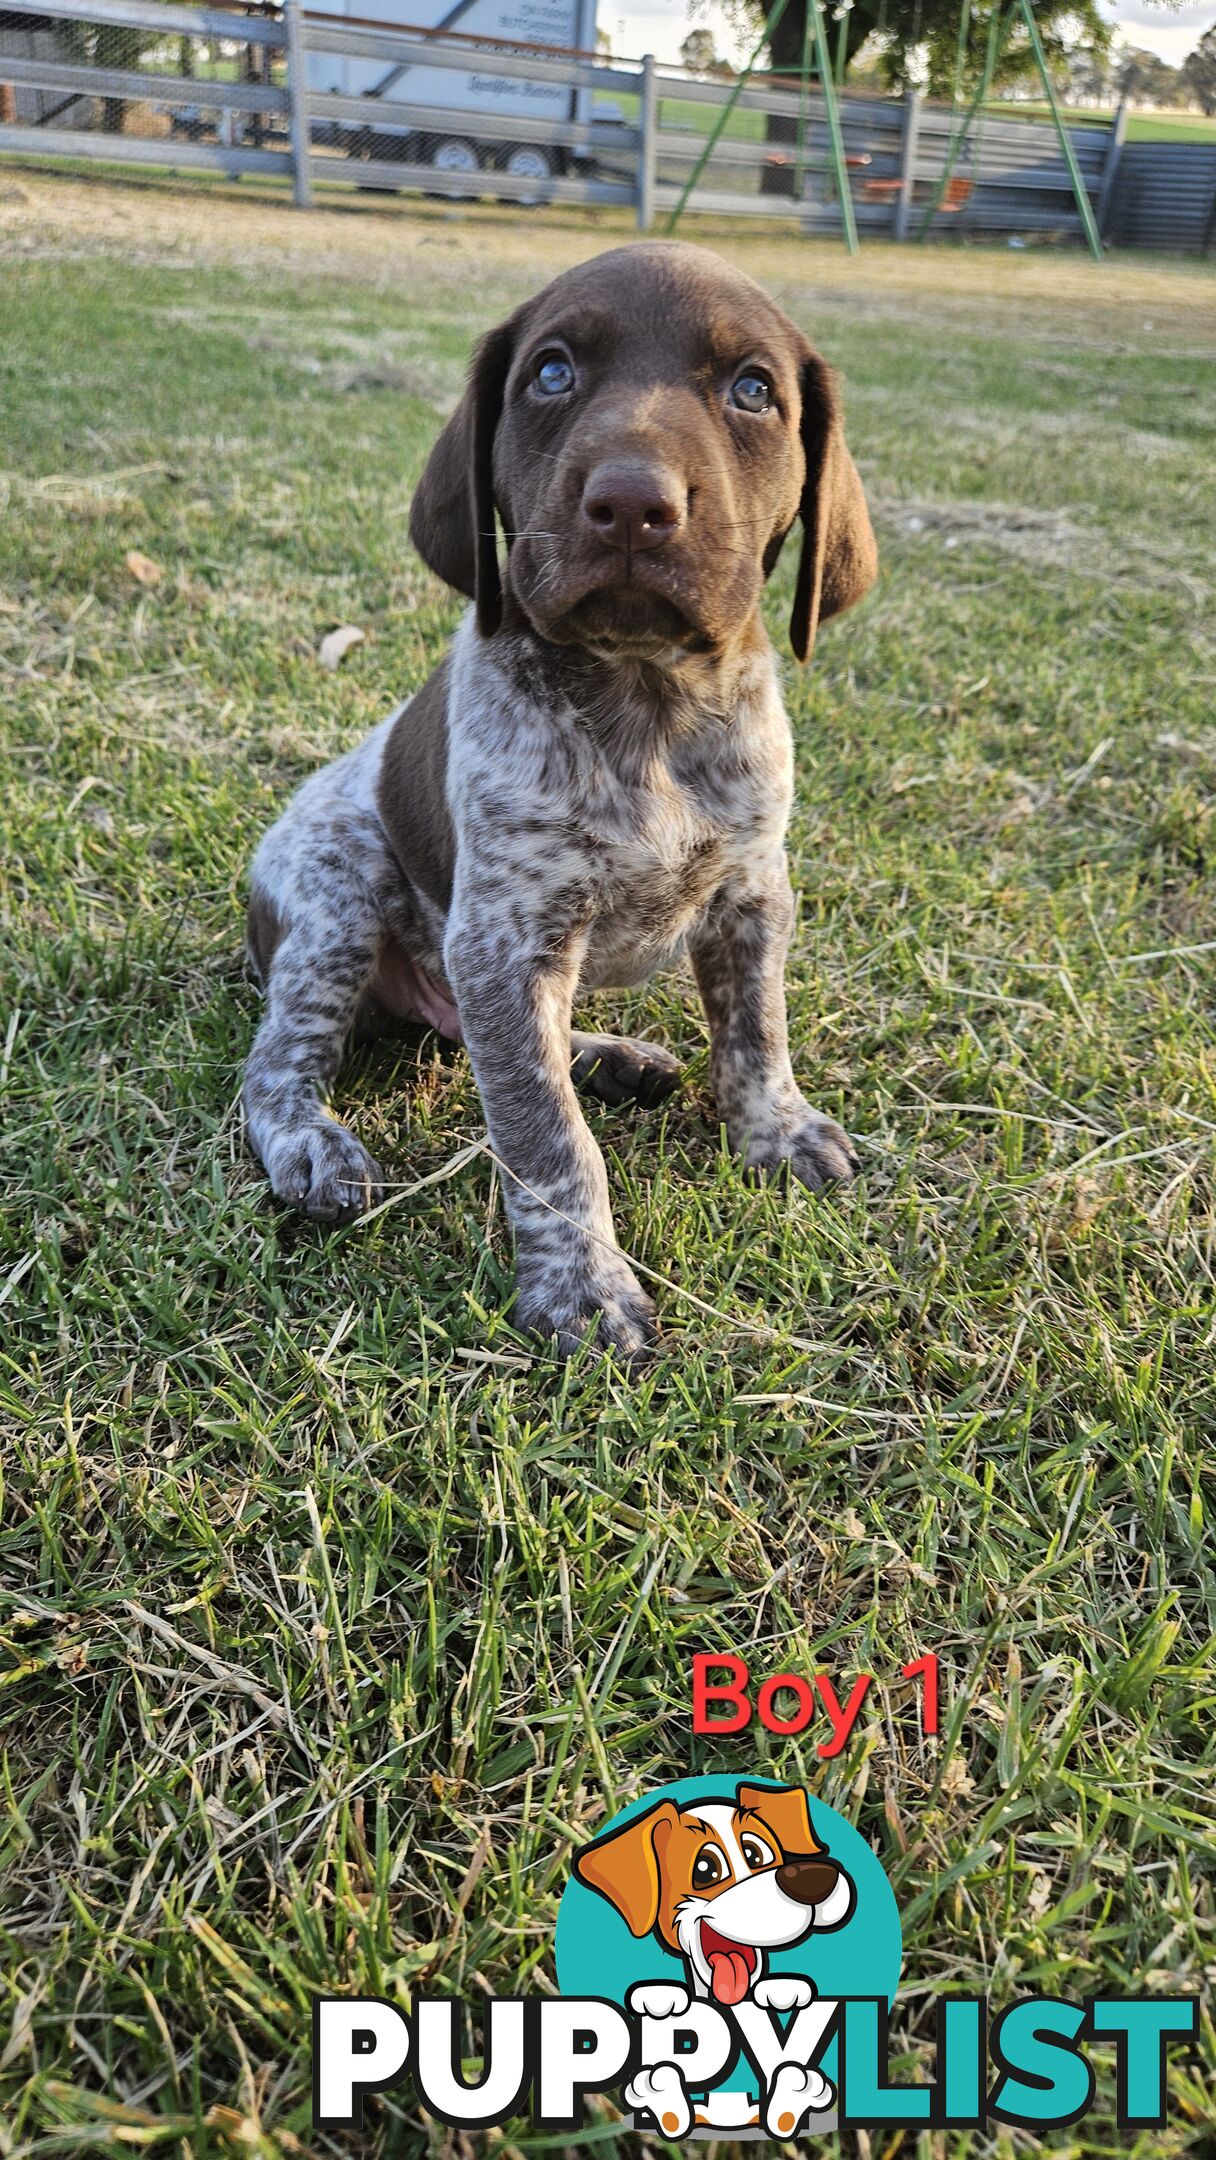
column 730, row 1967
column 728, row 1971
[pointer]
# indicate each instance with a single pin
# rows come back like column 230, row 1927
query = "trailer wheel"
column 454, row 154
column 527, row 161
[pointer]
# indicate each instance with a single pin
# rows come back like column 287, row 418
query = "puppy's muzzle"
column 633, row 506
column 808, row 1882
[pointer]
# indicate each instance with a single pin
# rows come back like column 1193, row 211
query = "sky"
column 660, row 26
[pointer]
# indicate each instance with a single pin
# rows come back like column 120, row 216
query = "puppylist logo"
column 731, row 1919
column 727, row 1954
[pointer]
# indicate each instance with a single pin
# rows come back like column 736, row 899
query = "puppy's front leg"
column 315, row 981
column 515, row 1009
column 738, row 952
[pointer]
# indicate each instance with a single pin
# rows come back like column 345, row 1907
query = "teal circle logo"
column 729, row 1891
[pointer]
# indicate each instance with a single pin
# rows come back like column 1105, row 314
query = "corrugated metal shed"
column 1165, row 196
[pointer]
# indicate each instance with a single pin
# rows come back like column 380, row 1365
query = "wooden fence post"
column 648, row 112
column 1110, row 170
column 297, row 91
column 913, row 101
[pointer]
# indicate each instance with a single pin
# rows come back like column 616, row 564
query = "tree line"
column 890, row 44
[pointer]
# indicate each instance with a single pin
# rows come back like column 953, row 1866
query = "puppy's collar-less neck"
column 700, row 684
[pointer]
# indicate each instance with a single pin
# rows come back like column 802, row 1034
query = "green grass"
column 1141, row 126
column 746, row 126
column 687, row 116
column 332, row 1613
column 1171, row 127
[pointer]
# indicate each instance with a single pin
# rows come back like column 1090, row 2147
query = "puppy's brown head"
column 648, row 428
column 719, row 1882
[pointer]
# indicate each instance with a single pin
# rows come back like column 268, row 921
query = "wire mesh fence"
column 143, row 81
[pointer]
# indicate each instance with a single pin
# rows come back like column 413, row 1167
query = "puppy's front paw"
column 783, row 1991
column 658, row 1999
column 816, row 1151
column 323, row 1169
column 568, row 1300
column 661, row 2092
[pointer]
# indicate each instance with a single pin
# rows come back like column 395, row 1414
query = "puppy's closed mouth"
column 627, row 616
column 731, row 1964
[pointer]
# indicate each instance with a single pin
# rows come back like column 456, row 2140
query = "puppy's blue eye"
column 751, row 392
column 554, row 376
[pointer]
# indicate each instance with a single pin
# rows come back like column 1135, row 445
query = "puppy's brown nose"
column 633, row 505
column 809, row 1882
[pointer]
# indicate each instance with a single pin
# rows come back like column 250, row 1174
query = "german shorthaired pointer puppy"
column 598, row 775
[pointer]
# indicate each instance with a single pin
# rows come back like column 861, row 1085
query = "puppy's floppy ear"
column 452, row 514
column 624, row 1866
column 839, row 559
column 785, row 1813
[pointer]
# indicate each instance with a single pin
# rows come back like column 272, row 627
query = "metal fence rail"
column 206, row 88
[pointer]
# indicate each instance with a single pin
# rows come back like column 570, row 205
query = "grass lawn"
column 1141, row 126
column 747, row 126
column 331, row 1612
column 681, row 116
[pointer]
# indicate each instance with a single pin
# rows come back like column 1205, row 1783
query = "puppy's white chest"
column 665, row 850
column 656, row 873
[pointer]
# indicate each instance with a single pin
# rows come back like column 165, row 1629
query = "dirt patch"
column 1031, row 534
column 1047, row 538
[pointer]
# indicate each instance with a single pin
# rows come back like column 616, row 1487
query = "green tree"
column 1089, row 76
column 918, row 40
column 1145, row 79
column 1199, row 72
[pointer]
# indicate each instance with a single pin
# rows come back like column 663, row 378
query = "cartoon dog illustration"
column 720, row 1883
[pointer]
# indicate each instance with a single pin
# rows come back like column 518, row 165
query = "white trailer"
column 453, row 144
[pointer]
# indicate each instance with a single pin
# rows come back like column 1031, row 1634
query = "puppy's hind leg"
column 619, row 1069
column 316, row 976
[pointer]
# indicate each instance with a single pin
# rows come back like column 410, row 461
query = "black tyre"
column 528, row 161
column 453, row 154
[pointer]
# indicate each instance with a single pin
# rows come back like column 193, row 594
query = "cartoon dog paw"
column 661, row 2092
column 783, row 1991
column 658, row 1999
column 796, row 2093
